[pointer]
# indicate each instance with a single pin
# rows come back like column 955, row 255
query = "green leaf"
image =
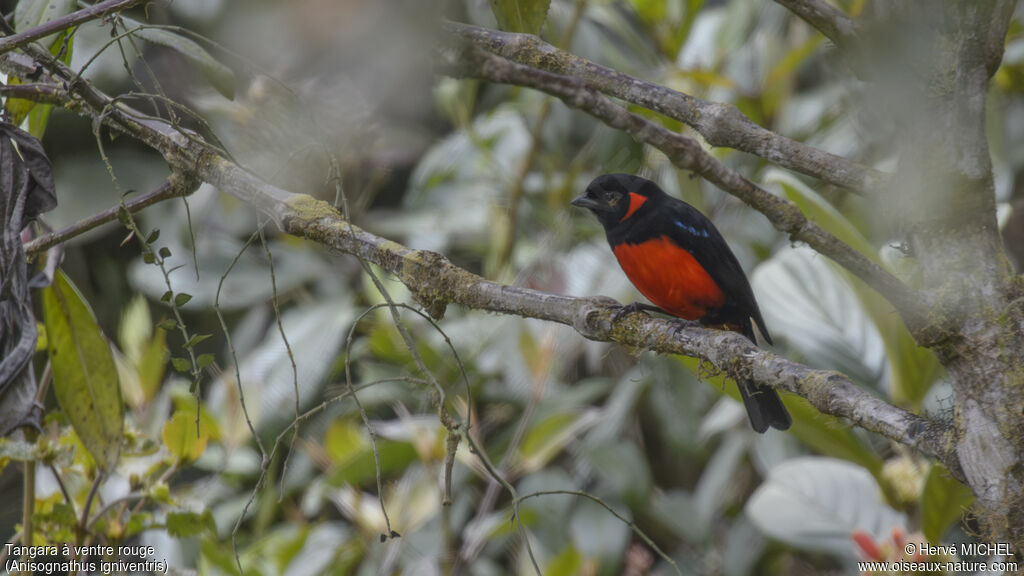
column 38, row 114
column 823, row 433
column 185, row 524
column 84, row 374
column 168, row 324
column 344, row 441
column 181, row 437
column 41, row 339
column 148, row 257
column 220, row 76
column 913, row 369
column 521, row 15
column 30, row 14
column 359, row 468
column 165, row 252
column 137, row 522
column 565, row 564
column 182, row 299
column 166, row 297
column 195, row 340
column 816, row 504
column 819, row 211
column 828, row 436
column 204, row 360
column 153, row 364
column 135, row 328
column 181, row 364
column 943, row 501
column 547, row 438
column 153, row 236
column 536, row 360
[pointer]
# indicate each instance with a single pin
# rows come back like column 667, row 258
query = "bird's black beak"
column 585, row 202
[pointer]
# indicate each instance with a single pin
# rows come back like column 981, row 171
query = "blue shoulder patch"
column 691, row 229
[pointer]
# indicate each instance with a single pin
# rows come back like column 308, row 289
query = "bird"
column 679, row 261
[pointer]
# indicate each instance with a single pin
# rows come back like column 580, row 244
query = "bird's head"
column 614, row 198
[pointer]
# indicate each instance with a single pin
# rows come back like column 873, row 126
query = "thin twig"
column 169, row 189
column 632, row 525
column 94, row 12
column 288, row 349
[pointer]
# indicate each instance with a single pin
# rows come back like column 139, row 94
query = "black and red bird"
column 677, row 258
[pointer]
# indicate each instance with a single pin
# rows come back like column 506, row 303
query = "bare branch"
column 720, row 124
column 827, row 19
column 94, row 12
column 688, row 154
column 174, row 187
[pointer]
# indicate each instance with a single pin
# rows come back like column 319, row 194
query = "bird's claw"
column 631, row 309
column 681, row 324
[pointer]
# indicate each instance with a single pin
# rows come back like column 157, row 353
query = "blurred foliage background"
column 336, row 98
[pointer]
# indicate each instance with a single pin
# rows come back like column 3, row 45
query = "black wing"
column 691, row 230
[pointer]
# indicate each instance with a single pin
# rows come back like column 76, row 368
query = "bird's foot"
column 633, row 308
column 682, row 324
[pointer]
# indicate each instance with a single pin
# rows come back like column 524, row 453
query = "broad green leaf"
column 185, row 524
column 547, row 438
column 780, row 79
column 135, row 328
column 153, row 363
column 181, row 437
column 185, row 402
column 30, row 14
column 536, row 356
column 818, row 503
column 913, row 369
column 811, row 307
column 84, row 375
column 521, row 15
column 828, row 436
column 394, row 456
column 567, row 563
column 344, row 441
column 41, row 343
column 943, row 501
column 823, row 433
column 38, row 114
column 220, row 76
column 819, row 211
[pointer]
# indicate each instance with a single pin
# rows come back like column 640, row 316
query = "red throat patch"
column 635, row 202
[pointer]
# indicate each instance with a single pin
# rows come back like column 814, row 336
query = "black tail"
column 764, row 407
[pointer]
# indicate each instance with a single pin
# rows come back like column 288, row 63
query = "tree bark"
column 945, row 202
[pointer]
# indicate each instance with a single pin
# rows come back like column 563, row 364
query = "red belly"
column 670, row 278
